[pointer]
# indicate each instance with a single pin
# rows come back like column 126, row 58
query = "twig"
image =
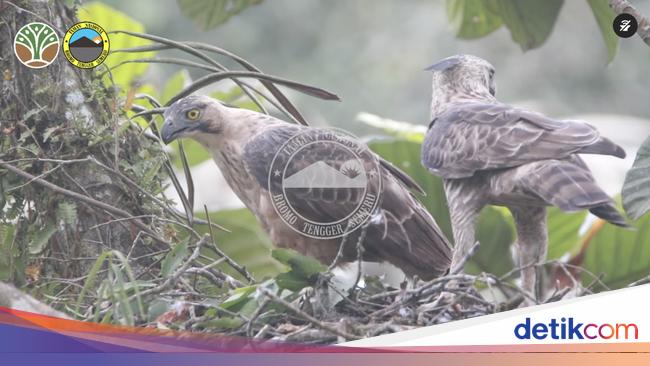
column 80, row 197
column 223, row 255
column 461, row 264
column 173, row 278
column 306, row 316
column 254, row 316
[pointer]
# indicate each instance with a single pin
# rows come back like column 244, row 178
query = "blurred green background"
column 372, row 52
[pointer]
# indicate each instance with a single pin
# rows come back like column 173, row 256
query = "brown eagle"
column 488, row 152
column 243, row 144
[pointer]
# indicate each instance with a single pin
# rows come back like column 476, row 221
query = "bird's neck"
column 236, row 128
column 445, row 97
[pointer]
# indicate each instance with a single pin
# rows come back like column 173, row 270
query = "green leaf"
column 636, row 188
column 621, row 255
column 173, row 259
column 174, row 84
column 7, row 236
column 91, row 279
column 111, row 20
column 471, row 18
column 123, row 304
column 290, row 281
column 605, row 15
column 247, row 243
column 67, row 212
column 302, row 266
column 495, row 233
column 303, row 270
column 207, row 14
column 563, row 232
column 40, row 239
column 133, row 284
column 530, row 21
column 238, row 298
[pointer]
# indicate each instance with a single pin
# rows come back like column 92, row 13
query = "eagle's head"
column 463, row 74
column 195, row 116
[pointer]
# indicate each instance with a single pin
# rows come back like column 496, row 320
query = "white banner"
column 613, row 316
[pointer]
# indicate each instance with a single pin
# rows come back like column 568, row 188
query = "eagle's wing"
column 401, row 232
column 316, row 204
column 470, row 137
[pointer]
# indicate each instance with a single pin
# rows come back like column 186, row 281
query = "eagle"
column 490, row 153
column 245, row 145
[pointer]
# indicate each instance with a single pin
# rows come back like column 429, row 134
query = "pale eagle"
column 243, row 144
column 488, row 152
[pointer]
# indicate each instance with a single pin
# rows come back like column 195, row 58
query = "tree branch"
column 80, row 197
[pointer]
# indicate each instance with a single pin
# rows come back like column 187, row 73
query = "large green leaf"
column 8, row 250
column 605, row 17
column 495, row 233
column 238, row 298
column 111, row 20
column 175, row 84
column 563, row 232
column 530, row 21
column 471, row 18
column 303, row 270
column 303, row 266
column 636, row 189
column 208, row 14
column 41, row 238
column 621, row 255
column 173, row 259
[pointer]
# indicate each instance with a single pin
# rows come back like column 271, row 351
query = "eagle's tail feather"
column 569, row 185
column 610, row 214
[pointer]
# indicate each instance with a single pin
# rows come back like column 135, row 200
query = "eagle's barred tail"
column 569, row 185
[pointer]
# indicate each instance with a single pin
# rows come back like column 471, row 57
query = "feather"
column 474, row 136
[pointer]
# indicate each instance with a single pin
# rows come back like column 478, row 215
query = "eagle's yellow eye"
column 192, row 114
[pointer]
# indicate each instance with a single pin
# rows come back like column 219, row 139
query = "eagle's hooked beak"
column 172, row 130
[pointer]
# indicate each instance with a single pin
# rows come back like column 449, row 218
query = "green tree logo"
column 36, row 45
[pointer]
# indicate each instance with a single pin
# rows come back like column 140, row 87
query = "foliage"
column 621, row 255
column 530, row 22
column 636, row 189
column 113, row 20
column 604, row 17
column 471, row 18
column 208, row 14
column 303, row 270
column 246, row 243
